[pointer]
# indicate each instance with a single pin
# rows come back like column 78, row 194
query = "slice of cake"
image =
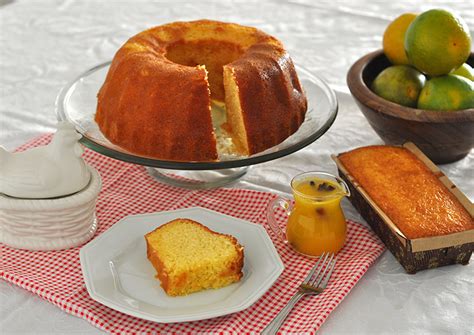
column 189, row 257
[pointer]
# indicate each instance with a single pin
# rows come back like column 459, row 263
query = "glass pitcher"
column 316, row 222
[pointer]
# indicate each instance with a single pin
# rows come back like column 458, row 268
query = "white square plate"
column 118, row 274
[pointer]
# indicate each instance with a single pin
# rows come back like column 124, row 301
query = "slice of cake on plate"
column 189, row 257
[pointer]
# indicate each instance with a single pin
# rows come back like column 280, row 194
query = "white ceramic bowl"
column 50, row 224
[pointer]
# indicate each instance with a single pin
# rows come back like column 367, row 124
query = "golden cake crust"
column 156, row 107
column 271, row 95
column 133, row 93
column 407, row 191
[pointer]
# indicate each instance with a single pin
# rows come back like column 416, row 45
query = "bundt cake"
column 156, row 98
column 189, row 257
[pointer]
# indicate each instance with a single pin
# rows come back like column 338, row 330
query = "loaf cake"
column 189, row 257
column 156, row 98
column 405, row 189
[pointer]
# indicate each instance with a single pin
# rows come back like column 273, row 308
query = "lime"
column 400, row 84
column 437, row 42
column 465, row 71
column 447, row 93
column 394, row 39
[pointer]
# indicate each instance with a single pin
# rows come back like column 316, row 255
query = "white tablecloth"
column 44, row 44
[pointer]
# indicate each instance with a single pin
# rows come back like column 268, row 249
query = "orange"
column 401, row 84
column 465, row 71
column 447, row 93
column 437, row 42
column 394, row 39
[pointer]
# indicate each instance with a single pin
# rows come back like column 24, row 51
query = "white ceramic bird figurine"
column 50, row 171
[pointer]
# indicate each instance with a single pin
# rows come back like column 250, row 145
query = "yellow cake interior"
column 189, row 257
column 213, row 55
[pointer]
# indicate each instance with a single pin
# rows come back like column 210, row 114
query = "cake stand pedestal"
column 198, row 180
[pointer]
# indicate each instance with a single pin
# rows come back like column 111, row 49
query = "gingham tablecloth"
column 127, row 189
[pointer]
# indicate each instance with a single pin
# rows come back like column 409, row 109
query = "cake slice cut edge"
column 235, row 119
column 189, row 257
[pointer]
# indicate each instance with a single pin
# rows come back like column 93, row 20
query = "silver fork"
column 312, row 285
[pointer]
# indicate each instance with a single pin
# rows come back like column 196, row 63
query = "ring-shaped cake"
column 156, row 99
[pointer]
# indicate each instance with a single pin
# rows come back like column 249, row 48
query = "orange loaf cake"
column 189, row 257
column 406, row 191
column 156, row 98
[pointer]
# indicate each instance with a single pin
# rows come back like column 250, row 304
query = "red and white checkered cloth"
column 127, row 189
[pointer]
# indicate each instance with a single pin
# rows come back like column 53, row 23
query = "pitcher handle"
column 278, row 202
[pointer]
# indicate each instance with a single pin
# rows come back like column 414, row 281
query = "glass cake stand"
column 77, row 103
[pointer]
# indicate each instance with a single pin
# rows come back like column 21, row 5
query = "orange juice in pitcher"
column 316, row 222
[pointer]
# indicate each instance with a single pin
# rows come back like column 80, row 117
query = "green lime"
column 447, row 93
column 401, row 84
column 465, row 71
column 437, row 42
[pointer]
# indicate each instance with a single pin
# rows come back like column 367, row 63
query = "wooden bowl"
column 443, row 136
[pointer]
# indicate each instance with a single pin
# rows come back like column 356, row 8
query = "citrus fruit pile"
column 429, row 53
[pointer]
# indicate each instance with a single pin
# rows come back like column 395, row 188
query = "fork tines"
column 318, row 278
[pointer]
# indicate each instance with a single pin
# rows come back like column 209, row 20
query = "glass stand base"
column 197, row 179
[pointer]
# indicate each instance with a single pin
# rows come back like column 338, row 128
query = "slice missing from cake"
column 189, row 257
